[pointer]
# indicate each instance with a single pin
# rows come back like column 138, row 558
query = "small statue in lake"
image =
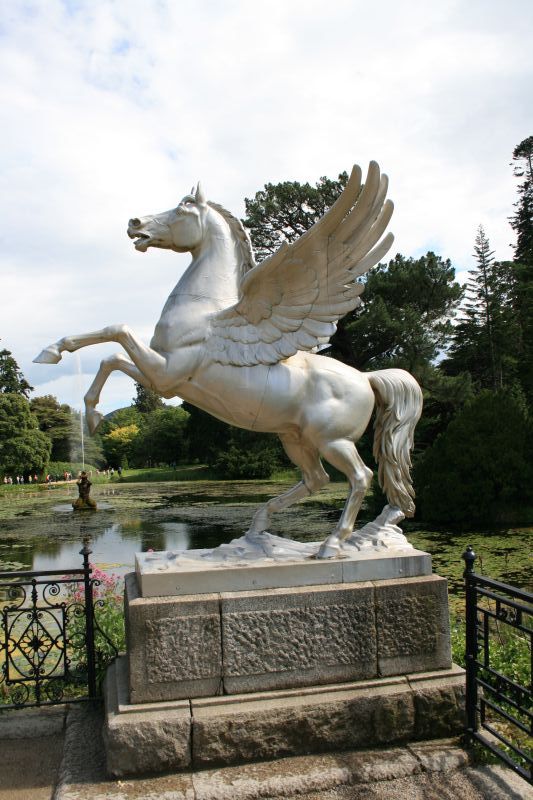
column 84, row 501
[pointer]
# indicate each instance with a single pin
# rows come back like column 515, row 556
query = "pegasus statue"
column 239, row 340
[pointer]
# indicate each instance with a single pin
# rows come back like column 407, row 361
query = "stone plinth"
column 164, row 574
column 254, row 669
column 206, row 732
column 235, row 642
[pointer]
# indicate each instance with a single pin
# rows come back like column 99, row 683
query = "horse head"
column 181, row 229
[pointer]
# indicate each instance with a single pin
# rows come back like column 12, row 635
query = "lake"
column 39, row 530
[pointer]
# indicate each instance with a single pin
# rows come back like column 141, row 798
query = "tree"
column 282, row 212
column 485, row 341
column 23, row 447
column 163, row 437
column 522, row 220
column 12, row 380
column 231, row 452
column 405, row 316
column 118, row 444
column 479, row 470
column 522, row 223
column 129, row 415
column 54, row 420
column 146, row 400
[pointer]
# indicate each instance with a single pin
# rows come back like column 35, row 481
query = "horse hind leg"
column 108, row 365
column 343, row 455
column 305, row 456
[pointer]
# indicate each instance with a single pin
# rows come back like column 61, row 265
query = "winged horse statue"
column 239, row 340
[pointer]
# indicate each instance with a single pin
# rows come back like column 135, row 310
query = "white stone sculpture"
column 239, row 341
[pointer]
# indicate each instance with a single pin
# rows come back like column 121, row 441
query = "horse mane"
column 247, row 260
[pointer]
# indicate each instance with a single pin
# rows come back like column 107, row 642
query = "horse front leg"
column 152, row 364
column 116, row 362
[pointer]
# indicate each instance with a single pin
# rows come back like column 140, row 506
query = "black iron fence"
column 499, row 708
column 52, row 648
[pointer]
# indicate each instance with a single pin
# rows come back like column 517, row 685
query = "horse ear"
column 193, row 189
column 200, row 197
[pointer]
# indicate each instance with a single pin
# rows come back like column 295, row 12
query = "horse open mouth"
column 142, row 240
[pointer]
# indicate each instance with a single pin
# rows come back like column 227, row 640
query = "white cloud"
column 111, row 110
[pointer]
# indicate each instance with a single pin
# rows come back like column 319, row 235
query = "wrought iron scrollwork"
column 51, row 643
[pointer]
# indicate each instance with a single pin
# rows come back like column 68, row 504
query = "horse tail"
column 398, row 409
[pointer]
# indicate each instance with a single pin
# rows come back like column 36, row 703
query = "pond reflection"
column 40, row 531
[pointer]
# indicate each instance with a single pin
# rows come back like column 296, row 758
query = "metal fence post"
column 471, row 640
column 89, row 619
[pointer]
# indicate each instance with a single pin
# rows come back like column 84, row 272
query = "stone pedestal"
column 221, row 677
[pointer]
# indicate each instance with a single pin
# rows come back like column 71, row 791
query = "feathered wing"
column 293, row 299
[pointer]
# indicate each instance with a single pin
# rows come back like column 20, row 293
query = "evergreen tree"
column 522, row 223
column 282, row 212
column 479, row 470
column 404, row 317
column 147, row 400
column 485, row 341
column 12, row 380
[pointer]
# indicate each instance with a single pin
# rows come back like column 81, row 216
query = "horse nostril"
column 135, row 223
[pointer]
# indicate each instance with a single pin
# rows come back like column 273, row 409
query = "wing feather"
column 293, row 299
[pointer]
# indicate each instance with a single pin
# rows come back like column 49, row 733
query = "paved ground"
column 57, row 754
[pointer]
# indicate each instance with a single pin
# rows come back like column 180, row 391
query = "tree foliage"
column 522, row 223
column 282, row 212
column 55, row 420
column 23, row 447
column 91, row 451
column 232, row 452
column 485, row 342
column 479, row 471
column 522, row 220
column 118, row 444
column 12, row 380
column 146, row 400
column 162, row 438
column 405, row 316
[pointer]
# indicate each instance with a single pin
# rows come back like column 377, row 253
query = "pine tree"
column 485, row 340
column 147, row 400
column 522, row 223
column 282, row 212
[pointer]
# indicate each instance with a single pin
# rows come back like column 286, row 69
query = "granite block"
column 298, row 637
column 174, row 646
column 413, row 626
column 148, row 740
column 233, row 729
column 283, row 725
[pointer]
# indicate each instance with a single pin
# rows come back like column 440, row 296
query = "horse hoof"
column 328, row 550
column 50, row 355
column 94, row 418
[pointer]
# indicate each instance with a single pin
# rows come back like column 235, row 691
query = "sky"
column 113, row 109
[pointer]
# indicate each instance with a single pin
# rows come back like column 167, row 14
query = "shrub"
column 478, row 471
